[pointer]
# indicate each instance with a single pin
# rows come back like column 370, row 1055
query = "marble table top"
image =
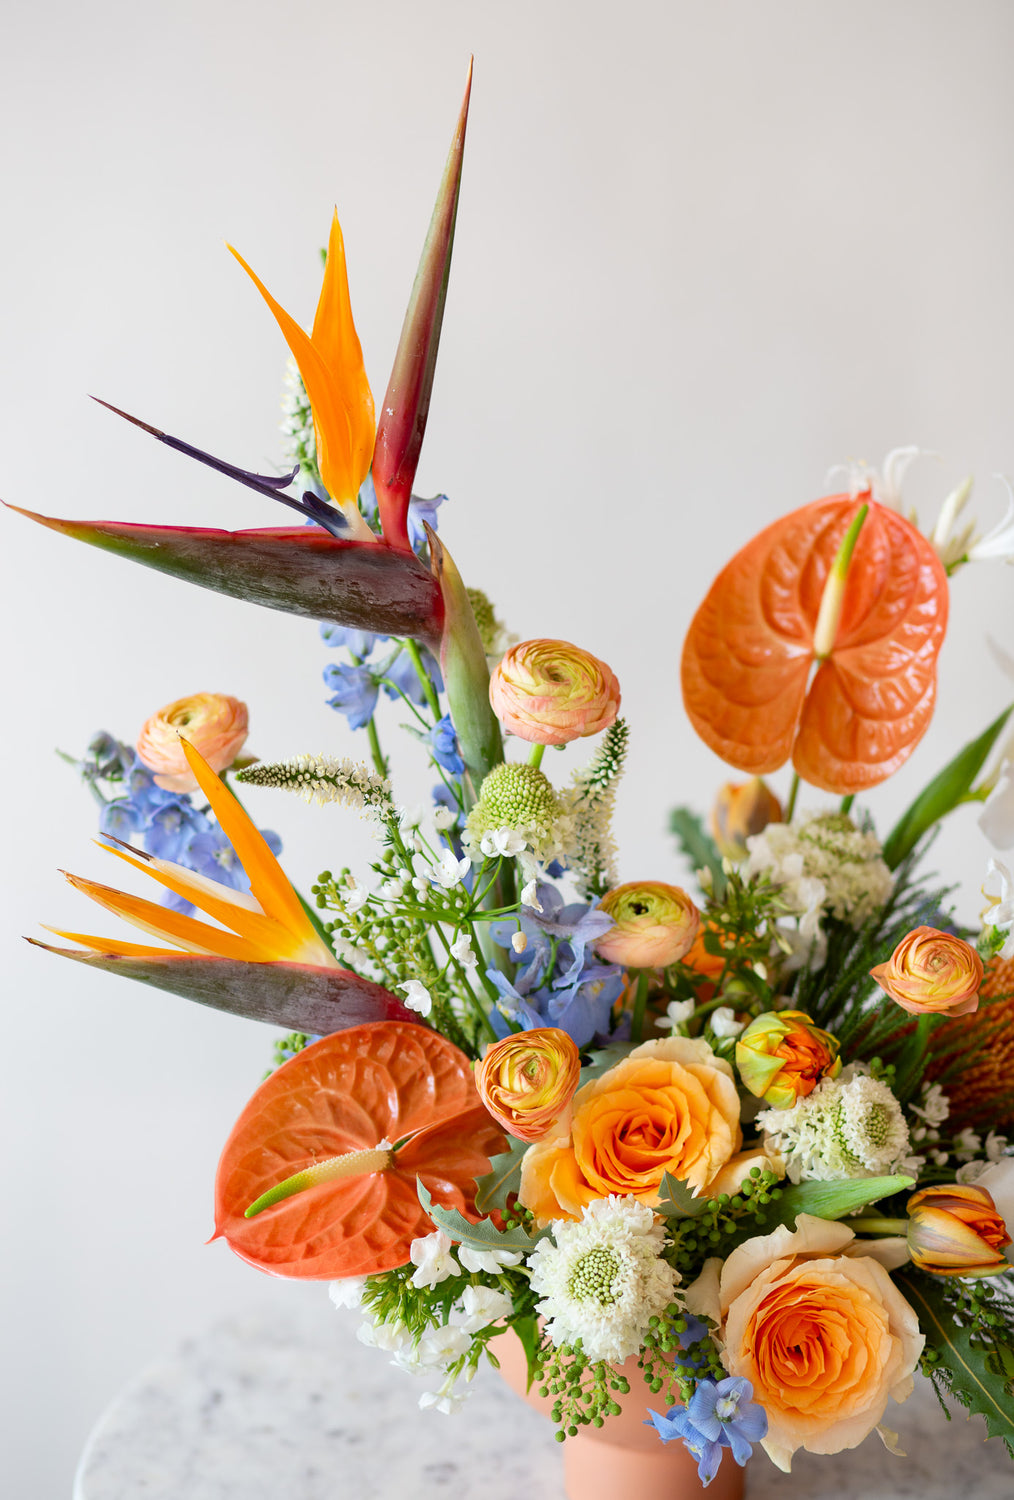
column 298, row 1409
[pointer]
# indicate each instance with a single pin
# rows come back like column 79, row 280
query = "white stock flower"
column 348, row 1292
column 431, row 1255
column 490, row 1261
column 450, row 870
column 677, row 1012
column 530, row 896
column 392, row 1338
column 444, row 818
column 462, row 951
column 724, row 1023
column 447, row 1402
column 417, row 996
column 443, row 1346
column 483, row 1305
column 604, row 1279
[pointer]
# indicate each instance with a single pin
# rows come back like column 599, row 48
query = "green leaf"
column 972, row 1373
column 503, row 1178
column 677, row 1201
column 481, row 1236
column 698, row 846
column 833, row 1200
column 942, row 795
column 604, row 1058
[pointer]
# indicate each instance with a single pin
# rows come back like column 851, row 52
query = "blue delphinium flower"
column 359, row 642
column 443, row 743
column 420, row 510
column 355, row 692
column 402, row 677
column 720, row 1414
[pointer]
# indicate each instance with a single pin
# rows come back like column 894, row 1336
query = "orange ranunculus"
column 741, row 809
column 932, row 973
column 670, row 1106
column 956, row 1230
column 214, row 723
column 813, row 1320
column 655, row 925
column 527, row 1080
column 782, row 1056
column 550, row 692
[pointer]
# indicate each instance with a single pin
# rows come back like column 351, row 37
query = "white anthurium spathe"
column 999, row 911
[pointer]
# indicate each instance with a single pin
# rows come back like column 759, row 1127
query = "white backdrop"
column 703, row 253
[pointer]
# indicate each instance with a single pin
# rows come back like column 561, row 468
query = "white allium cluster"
column 604, row 1279
column 823, row 864
column 850, row 1126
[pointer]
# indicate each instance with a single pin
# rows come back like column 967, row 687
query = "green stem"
column 535, row 755
column 875, row 1225
column 846, row 802
column 640, row 1002
column 416, row 658
column 790, row 806
column 379, row 759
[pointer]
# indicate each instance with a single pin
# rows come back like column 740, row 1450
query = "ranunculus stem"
column 640, row 1002
column 535, row 755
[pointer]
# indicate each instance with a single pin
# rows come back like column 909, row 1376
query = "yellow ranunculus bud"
column 527, row 1080
column 956, row 1230
column 741, row 809
column 655, row 925
column 782, row 1056
column 932, row 973
column 550, row 692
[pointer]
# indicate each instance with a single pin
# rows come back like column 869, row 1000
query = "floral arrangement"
column 745, row 1144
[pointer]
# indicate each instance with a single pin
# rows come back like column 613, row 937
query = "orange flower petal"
column 749, row 650
column 348, row 1092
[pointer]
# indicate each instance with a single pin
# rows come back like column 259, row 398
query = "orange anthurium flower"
column 335, row 1140
column 752, row 646
column 330, row 362
column 265, row 960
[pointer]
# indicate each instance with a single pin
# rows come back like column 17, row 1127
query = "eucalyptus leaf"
column 943, row 793
column 481, row 1236
column 604, row 1058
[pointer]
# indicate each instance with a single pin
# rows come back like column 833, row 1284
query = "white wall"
column 704, row 252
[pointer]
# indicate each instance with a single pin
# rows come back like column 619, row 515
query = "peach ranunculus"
column 956, row 1229
column 216, row 726
column 932, row 973
column 550, row 692
column 671, row 1106
column 527, row 1080
column 813, row 1320
column 742, row 808
column 655, row 925
column 782, row 1056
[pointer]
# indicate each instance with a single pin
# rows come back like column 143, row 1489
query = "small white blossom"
column 447, row 1402
column 530, row 896
column 849, row 1127
column 355, row 897
column 393, row 889
column 442, row 1346
column 462, row 952
column 417, row 996
column 967, row 1144
column 409, row 817
column 483, row 1305
column 677, row 1013
column 503, row 842
column 724, row 1023
column 348, row 1292
column 934, row 1108
column 450, row 870
column 420, row 884
column 490, row 1261
column 431, row 1255
column 604, row 1279
column 996, row 1146
column 519, row 942
column 392, row 1338
column 444, row 818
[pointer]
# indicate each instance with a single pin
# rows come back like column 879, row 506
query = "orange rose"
column 527, row 1080
column 655, row 925
column 812, row 1319
column 671, row 1106
column 214, row 724
column 956, row 1230
column 932, row 973
column 550, row 692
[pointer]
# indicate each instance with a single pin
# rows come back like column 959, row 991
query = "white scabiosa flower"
column 850, row 1126
column 604, row 1279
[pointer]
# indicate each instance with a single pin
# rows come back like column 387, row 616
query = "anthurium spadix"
column 265, row 961
column 341, row 573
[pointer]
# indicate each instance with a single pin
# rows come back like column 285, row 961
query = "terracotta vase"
column 623, row 1459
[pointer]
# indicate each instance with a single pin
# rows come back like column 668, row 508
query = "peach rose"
column 527, row 1080
column 813, row 1320
column 932, row 973
column 670, row 1106
column 214, row 724
column 655, row 925
column 550, row 692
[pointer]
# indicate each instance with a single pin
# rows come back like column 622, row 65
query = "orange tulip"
column 955, row 1230
column 752, row 644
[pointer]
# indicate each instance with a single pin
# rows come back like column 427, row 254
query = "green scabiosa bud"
column 519, row 798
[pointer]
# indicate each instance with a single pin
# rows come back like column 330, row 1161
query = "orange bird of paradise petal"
column 330, row 361
column 749, row 653
column 349, row 1093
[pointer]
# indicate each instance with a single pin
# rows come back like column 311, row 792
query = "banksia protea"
column 973, row 1057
